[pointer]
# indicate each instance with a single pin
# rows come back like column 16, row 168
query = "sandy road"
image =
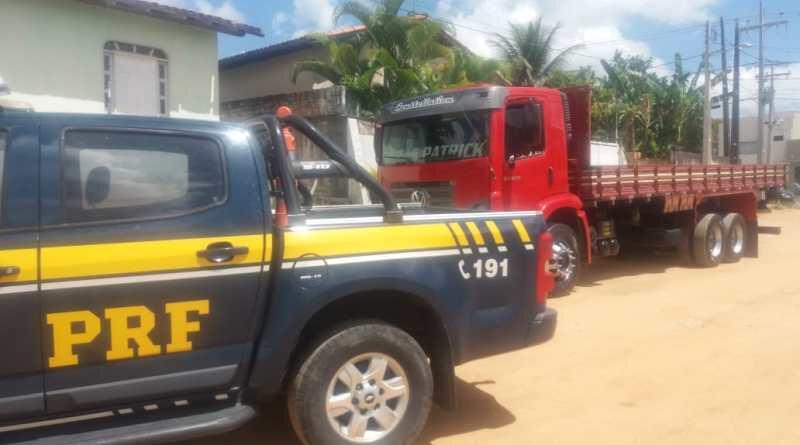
column 647, row 352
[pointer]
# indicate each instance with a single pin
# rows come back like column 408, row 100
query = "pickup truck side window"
column 132, row 175
column 524, row 130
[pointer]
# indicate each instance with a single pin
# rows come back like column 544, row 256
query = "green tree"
column 632, row 83
column 395, row 57
column 529, row 53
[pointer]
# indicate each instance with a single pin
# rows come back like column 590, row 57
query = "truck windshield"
column 444, row 137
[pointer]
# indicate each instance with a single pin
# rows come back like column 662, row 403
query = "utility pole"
column 760, row 28
column 771, row 118
column 707, row 99
column 734, row 153
column 760, row 82
column 726, row 124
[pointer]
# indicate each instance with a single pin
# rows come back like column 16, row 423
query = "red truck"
column 522, row 148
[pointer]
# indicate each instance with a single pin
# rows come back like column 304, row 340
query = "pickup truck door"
column 20, row 333
column 153, row 250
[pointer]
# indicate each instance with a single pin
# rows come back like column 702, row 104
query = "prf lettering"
column 129, row 325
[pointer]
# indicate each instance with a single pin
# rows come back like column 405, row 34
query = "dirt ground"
column 647, row 352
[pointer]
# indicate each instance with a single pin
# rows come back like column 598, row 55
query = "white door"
column 135, row 85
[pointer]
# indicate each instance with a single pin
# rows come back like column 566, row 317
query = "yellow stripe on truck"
column 24, row 259
column 495, row 231
column 367, row 240
column 476, row 233
column 145, row 256
column 460, row 236
column 522, row 231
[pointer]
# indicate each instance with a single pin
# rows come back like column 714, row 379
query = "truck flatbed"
column 610, row 183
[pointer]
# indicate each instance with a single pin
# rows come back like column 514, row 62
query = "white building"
column 112, row 56
column 783, row 148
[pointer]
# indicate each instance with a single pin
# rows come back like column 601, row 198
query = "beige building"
column 113, row 56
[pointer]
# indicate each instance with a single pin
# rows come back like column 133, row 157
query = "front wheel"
column 366, row 384
column 566, row 258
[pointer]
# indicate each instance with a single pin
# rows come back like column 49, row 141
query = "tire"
column 567, row 258
column 735, row 231
column 357, row 392
column 708, row 241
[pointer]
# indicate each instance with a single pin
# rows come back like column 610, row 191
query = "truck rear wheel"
column 368, row 383
column 566, row 257
column 708, row 241
column 735, row 237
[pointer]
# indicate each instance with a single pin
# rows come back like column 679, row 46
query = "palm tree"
column 528, row 50
column 396, row 56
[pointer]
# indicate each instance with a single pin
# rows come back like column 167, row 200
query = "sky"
column 652, row 28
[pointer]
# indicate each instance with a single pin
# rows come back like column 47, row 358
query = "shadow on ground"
column 477, row 410
column 637, row 262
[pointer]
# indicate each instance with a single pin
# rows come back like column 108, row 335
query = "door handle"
column 222, row 252
column 8, row 270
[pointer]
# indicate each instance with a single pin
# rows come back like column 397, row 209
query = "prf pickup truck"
column 160, row 277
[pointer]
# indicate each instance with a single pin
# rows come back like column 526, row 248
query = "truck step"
column 157, row 431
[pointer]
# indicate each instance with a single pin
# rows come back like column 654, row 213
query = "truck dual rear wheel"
column 708, row 241
column 566, row 258
column 735, row 237
column 367, row 383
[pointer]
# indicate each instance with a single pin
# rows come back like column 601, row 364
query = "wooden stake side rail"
column 645, row 181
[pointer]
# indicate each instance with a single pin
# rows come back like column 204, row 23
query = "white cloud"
column 582, row 22
column 312, row 16
column 786, row 91
column 278, row 21
column 225, row 10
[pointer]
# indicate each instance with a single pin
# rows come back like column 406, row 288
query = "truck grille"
column 435, row 194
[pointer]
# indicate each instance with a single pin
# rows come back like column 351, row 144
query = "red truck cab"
column 478, row 147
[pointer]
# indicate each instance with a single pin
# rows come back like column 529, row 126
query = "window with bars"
column 136, row 79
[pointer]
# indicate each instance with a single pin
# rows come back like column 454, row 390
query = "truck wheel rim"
column 737, row 239
column 714, row 241
column 564, row 258
column 367, row 398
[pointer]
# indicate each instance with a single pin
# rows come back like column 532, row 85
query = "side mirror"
column 98, row 186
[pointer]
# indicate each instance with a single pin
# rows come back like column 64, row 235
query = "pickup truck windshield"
column 445, row 137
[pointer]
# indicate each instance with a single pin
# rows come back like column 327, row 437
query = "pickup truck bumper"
column 542, row 328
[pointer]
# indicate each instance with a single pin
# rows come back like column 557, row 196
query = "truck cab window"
column 524, row 130
column 122, row 175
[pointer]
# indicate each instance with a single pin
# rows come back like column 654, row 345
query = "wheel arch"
column 404, row 310
column 568, row 209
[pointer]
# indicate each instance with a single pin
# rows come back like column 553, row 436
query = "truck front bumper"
column 542, row 328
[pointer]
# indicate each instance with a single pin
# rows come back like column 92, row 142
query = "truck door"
column 152, row 257
column 528, row 174
column 20, row 323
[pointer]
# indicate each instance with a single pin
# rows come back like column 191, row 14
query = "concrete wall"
column 271, row 77
column 51, row 54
